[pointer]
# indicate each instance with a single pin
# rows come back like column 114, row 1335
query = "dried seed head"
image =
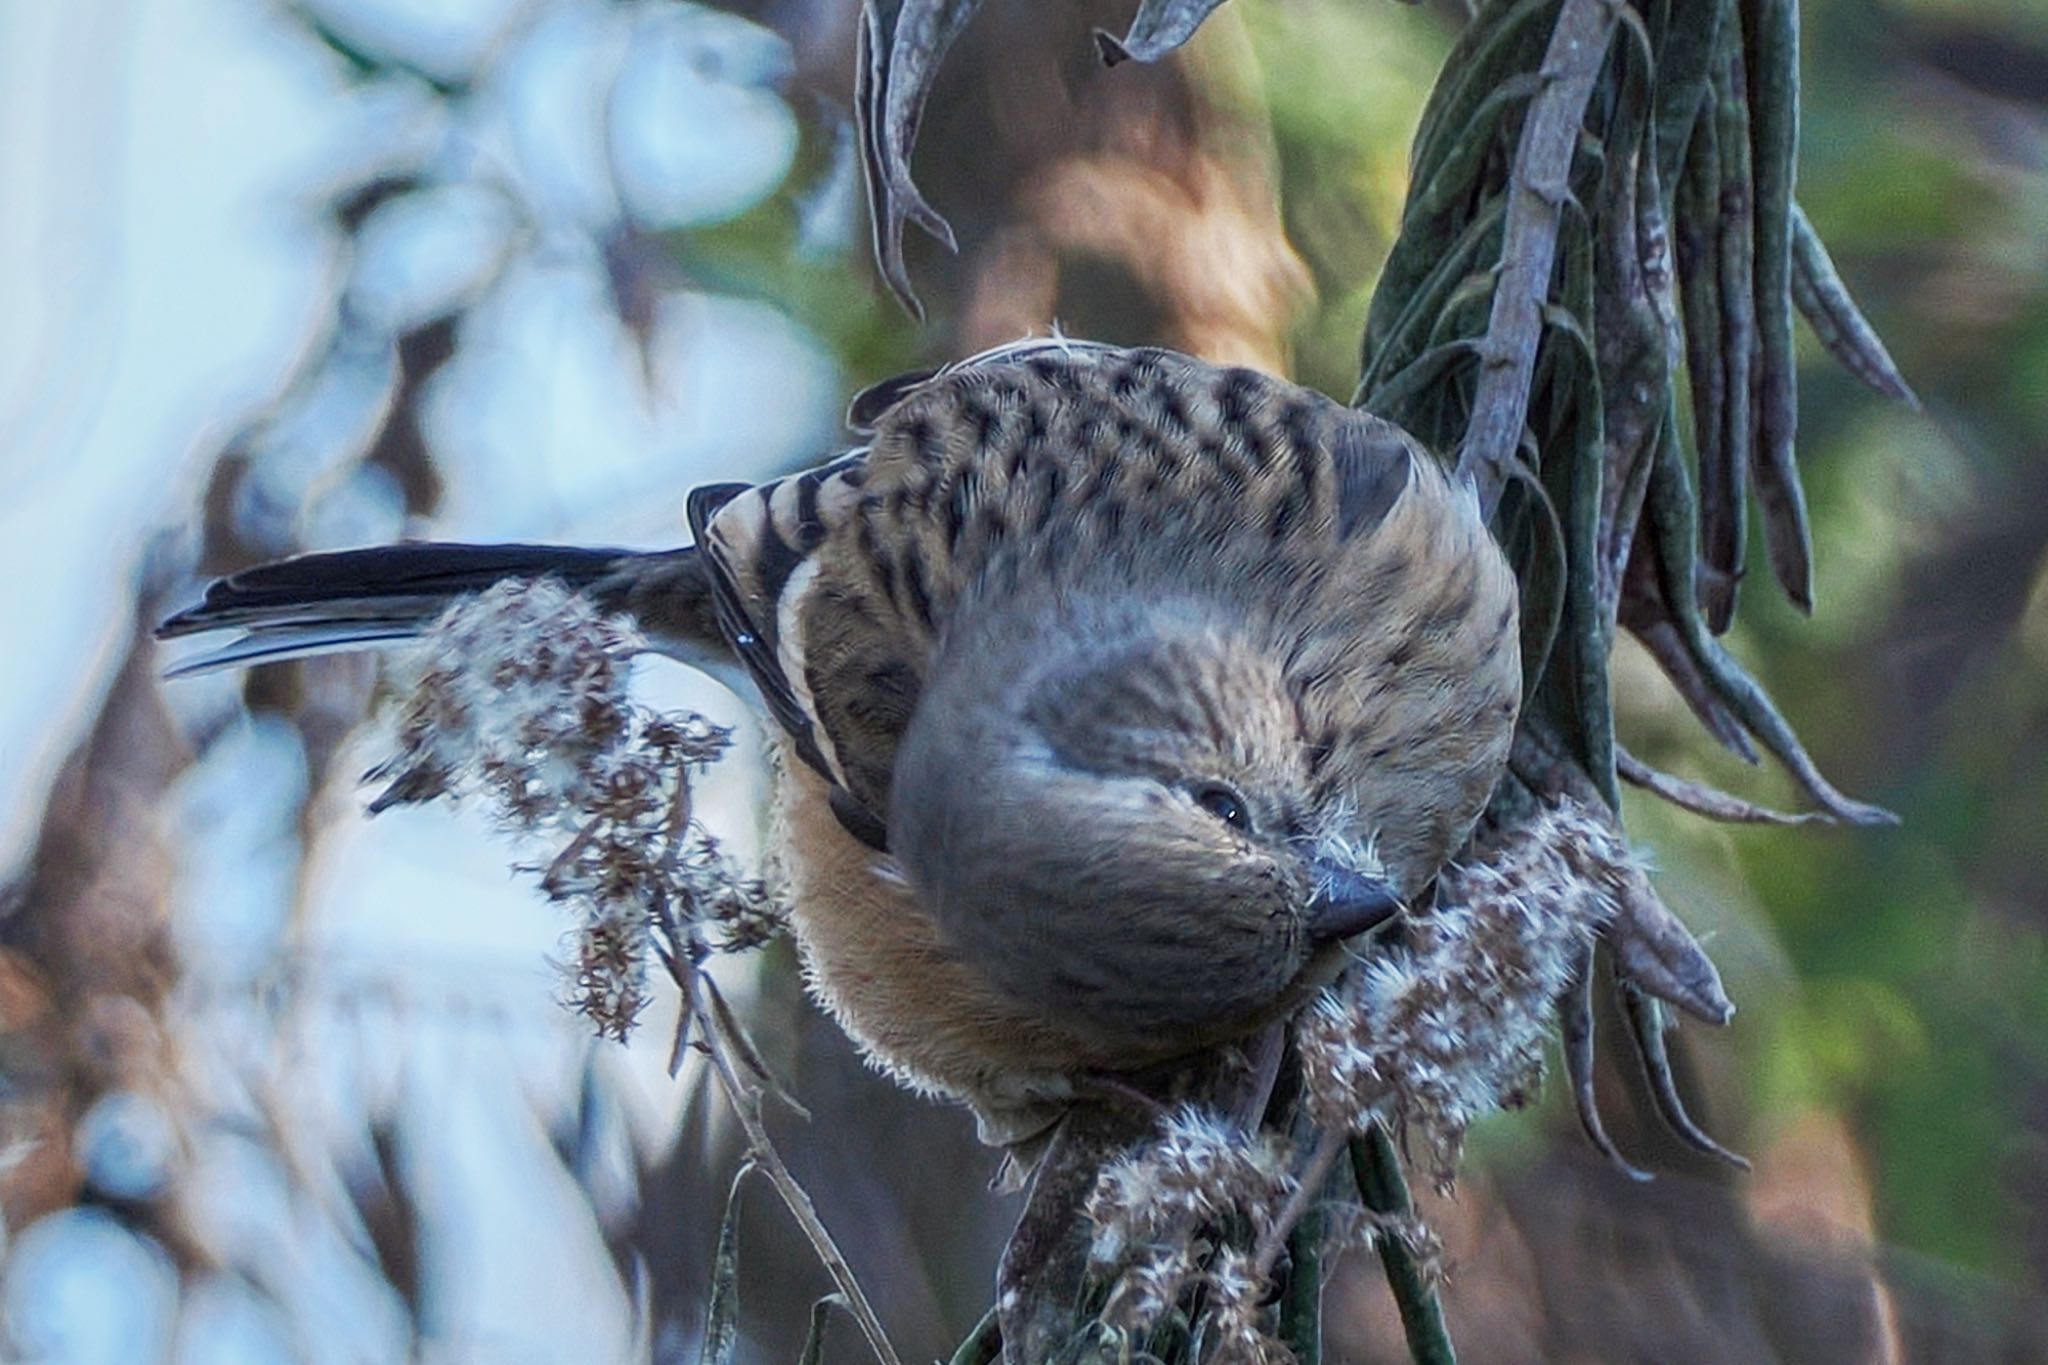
column 1451, row 1025
column 518, row 697
column 1237, row 1313
column 1155, row 1209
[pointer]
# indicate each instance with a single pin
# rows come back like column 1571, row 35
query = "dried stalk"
column 1538, row 189
column 706, row 1015
column 1316, row 1174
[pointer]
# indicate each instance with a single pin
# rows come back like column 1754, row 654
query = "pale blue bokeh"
column 165, row 275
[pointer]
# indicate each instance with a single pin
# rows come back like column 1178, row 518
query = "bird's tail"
column 361, row 599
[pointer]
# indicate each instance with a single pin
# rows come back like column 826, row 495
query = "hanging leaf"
column 1159, row 28
column 722, row 1314
column 901, row 45
column 1825, row 303
column 1771, row 46
column 1701, row 799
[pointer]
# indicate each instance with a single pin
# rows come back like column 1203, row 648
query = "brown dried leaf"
column 1701, row 799
column 1654, row 950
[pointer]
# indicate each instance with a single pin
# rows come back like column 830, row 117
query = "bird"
column 1122, row 697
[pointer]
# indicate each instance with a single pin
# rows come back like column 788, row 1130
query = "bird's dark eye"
column 1225, row 804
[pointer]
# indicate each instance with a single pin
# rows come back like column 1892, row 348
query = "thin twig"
column 1266, row 1052
column 1537, row 190
column 1329, row 1146
column 714, row 1029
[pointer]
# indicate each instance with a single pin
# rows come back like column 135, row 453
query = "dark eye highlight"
column 1225, row 804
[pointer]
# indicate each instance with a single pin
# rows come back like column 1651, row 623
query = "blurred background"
column 279, row 1083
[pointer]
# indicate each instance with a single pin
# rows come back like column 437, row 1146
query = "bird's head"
column 1138, row 836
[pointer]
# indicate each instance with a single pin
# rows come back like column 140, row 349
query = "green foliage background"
column 1899, row 974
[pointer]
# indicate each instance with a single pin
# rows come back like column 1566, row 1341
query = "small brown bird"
column 1118, row 691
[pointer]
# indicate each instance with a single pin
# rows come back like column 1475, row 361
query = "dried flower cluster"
column 1160, row 1215
column 519, row 696
column 1237, row 1313
column 1451, row 1024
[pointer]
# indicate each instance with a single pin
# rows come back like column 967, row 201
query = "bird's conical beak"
column 1347, row 903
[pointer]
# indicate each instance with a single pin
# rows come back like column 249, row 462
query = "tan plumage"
column 1115, row 689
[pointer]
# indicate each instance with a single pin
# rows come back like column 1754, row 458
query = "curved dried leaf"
column 1486, row 54
column 814, row 1339
column 1159, row 27
column 1685, row 63
column 982, row 1346
column 1825, row 302
column 722, row 1314
column 1648, row 617
column 902, row 43
column 1724, row 485
column 1656, row 952
column 1453, row 270
column 1701, row 799
column 1646, row 1025
column 1771, row 37
column 1575, row 1018
column 1674, row 545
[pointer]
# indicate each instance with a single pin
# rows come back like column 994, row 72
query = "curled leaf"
column 1646, row 1025
column 902, row 43
column 1159, row 28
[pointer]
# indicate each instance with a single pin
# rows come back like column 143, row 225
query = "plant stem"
column 1315, row 1175
column 714, row 1029
column 1380, row 1184
column 1537, row 189
column 1301, row 1305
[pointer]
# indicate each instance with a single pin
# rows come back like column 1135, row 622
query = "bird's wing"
column 835, row 586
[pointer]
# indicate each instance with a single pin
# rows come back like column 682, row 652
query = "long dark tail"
column 359, row 599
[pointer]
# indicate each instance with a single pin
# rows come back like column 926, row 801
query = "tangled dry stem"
column 1422, row 1038
column 519, row 698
